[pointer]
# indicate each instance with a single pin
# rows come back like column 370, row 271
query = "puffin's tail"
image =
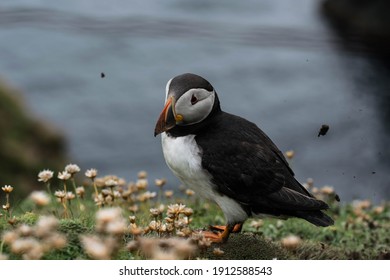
column 317, row 218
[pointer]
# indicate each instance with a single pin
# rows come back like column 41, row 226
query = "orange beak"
column 167, row 118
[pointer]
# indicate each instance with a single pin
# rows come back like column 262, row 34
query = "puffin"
column 229, row 160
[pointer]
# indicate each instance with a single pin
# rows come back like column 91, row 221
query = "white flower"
column 40, row 198
column 72, row 168
column 45, row 175
column 64, row 175
column 97, row 248
column 91, row 173
column 7, row 189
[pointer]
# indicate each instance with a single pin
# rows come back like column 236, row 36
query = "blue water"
column 276, row 63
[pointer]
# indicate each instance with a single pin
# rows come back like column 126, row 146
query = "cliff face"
column 27, row 145
column 366, row 21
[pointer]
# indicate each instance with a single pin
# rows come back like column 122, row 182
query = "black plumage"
column 247, row 166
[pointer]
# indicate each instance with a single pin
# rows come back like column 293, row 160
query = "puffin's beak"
column 168, row 118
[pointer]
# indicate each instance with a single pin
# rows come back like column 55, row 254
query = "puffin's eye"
column 194, row 100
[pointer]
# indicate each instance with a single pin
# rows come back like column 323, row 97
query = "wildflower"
column 25, row 230
column 291, row 242
column 168, row 194
column 327, row 190
column 97, row 248
column 142, row 174
column 9, row 237
column 40, row 198
column 29, row 247
column 6, row 207
column 175, row 209
column 218, row 252
column 60, row 194
column 290, row 154
column 7, row 189
column 141, row 184
column 46, row 225
column 310, row 182
column 45, row 175
column 80, row 191
column 256, row 224
column 188, row 211
column 91, row 173
column 134, row 230
column 160, row 182
column 190, row 192
column 64, row 175
column 70, row 196
column 379, row 210
column 72, row 169
column 111, row 183
column 154, row 212
column 154, row 225
column 134, row 208
column 362, row 204
column 99, row 200
column 111, row 221
column 55, row 241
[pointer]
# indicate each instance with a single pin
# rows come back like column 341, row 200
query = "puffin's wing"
column 247, row 166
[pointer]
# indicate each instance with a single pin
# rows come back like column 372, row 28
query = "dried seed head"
column 7, row 189
column 72, row 168
column 132, row 219
column 45, row 175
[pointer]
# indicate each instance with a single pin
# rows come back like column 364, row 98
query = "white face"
column 194, row 105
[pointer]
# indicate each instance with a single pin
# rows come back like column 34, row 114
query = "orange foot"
column 220, row 234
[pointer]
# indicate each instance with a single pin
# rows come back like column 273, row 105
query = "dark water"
column 275, row 63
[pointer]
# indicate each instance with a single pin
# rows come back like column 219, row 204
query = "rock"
column 364, row 21
column 27, row 145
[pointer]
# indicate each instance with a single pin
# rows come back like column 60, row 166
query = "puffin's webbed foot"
column 220, row 234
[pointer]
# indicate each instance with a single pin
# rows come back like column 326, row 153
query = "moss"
column 26, row 144
column 237, row 248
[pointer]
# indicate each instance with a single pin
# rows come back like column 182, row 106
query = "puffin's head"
column 189, row 100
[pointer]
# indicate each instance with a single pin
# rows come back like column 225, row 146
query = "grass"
column 141, row 221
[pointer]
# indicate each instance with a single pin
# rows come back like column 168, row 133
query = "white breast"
column 184, row 157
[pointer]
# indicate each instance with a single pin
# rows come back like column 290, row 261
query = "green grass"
column 360, row 230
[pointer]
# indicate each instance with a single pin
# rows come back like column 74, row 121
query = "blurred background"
column 288, row 66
